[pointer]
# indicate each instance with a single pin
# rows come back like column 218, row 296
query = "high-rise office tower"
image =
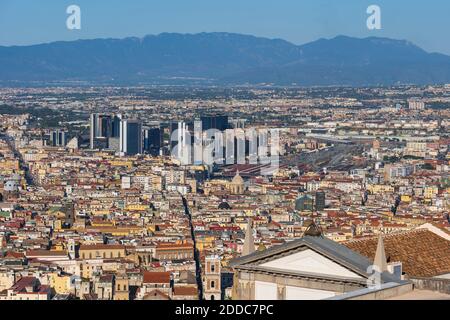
column 198, row 142
column 179, row 129
column 214, row 122
column 93, row 129
column 131, row 137
column 115, row 126
column 152, row 140
column 100, row 130
column 173, row 132
column 58, row 138
column 114, row 139
column 105, row 130
column 320, row 200
column 181, row 140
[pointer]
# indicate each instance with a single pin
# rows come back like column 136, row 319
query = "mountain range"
column 225, row 58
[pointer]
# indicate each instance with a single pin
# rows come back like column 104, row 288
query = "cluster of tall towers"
column 185, row 134
column 127, row 136
column 131, row 137
column 58, row 138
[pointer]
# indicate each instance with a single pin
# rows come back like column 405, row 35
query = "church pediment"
column 310, row 257
column 310, row 262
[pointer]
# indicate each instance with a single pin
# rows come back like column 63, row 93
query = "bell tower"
column 71, row 248
column 212, row 278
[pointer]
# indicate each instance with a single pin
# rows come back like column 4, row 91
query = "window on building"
column 213, row 284
column 212, row 268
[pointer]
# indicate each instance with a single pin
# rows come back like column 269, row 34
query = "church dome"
column 236, row 186
column 237, row 179
column 224, row 206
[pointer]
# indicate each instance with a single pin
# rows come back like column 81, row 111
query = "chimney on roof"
column 249, row 242
column 380, row 256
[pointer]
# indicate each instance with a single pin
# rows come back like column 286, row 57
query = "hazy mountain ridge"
column 226, row 58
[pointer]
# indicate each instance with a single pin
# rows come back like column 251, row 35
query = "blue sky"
column 426, row 23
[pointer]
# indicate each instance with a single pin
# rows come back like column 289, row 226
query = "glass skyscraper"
column 131, row 137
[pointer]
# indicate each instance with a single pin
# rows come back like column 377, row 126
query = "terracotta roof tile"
column 185, row 291
column 46, row 253
column 156, row 277
column 101, row 247
column 422, row 253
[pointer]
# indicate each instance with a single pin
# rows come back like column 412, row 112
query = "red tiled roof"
column 101, row 247
column 29, row 282
column 45, row 253
column 171, row 246
column 157, row 277
column 185, row 291
column 422, row 253
column 15, row 255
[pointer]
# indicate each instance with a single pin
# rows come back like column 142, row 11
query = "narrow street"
column 23, row 165
column 198, row 265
